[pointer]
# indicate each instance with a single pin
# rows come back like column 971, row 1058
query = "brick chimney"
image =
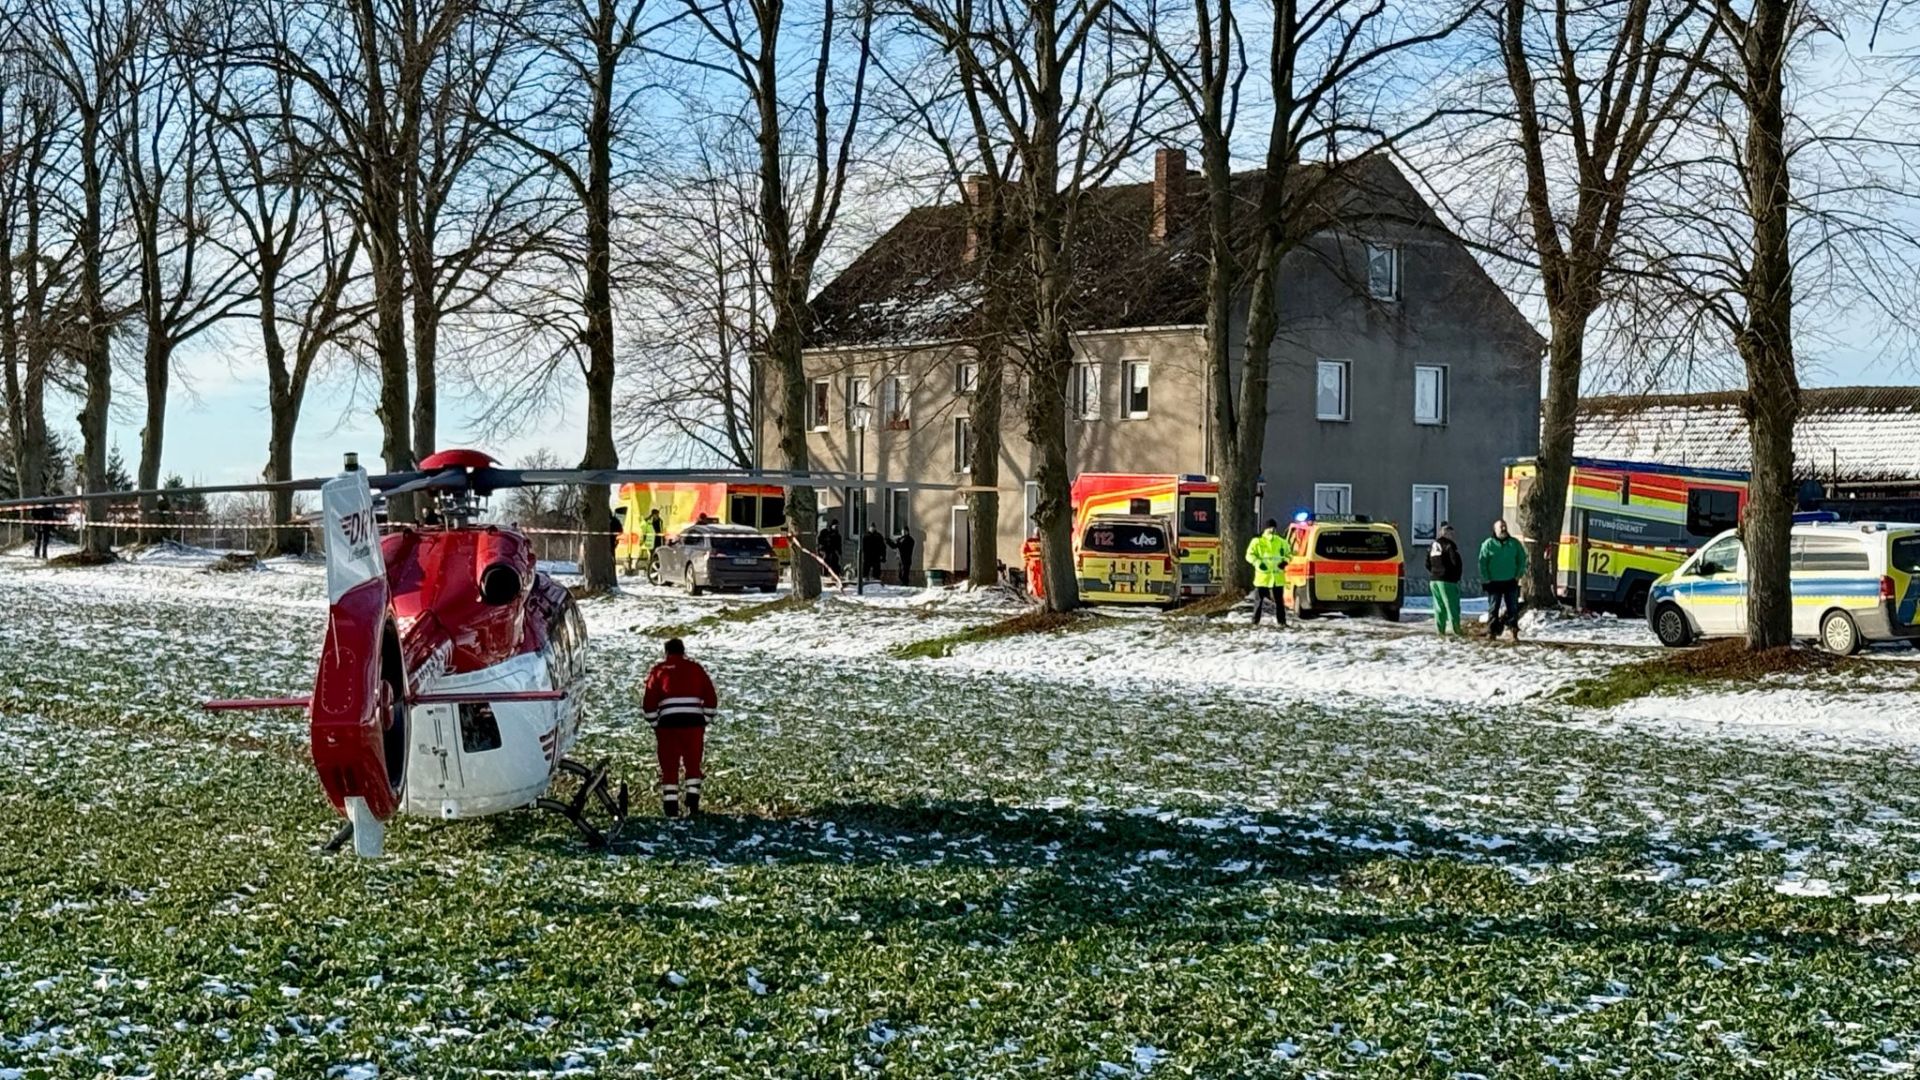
column 976, row 197
column 1169, row 190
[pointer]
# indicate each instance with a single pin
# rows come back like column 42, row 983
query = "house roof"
column 1846, row 434
column 914, row 284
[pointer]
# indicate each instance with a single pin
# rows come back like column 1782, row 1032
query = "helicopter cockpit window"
column 479, row 728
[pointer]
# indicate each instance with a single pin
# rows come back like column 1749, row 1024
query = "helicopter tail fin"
column 357, row 719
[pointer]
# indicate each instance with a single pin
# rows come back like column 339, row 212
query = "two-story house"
column 1401, row 374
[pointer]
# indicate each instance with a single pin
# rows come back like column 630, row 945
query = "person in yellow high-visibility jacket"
column 1269, row 553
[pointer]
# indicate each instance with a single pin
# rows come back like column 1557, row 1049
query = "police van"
column 1853, row 584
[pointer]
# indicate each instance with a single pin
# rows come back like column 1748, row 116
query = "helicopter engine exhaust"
column 500, row 557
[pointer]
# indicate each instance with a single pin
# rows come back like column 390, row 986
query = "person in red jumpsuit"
column 678, row 702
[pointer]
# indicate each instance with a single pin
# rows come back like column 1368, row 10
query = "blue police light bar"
column 1304, row 515
column 1814, row 517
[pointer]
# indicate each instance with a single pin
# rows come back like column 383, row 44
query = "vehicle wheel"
column 768, row 588
column 1636, row 605
column 1838, row 634
column 693, row 584
column 1301, row 606
column 1671, row 627
column 653, row 572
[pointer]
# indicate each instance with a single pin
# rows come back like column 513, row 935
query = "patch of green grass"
column 1031, row 622
column 1718, row 663
column 927, row 874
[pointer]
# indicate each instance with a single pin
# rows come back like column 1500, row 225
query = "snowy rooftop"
column 1850, row 434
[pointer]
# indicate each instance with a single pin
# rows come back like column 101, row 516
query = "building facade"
column 1400, row 378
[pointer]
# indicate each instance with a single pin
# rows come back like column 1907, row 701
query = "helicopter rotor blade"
column 384, row 482
column 789, row 478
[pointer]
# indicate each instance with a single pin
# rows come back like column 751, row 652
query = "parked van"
column 1345, row 564
column 1188, row 502
column 1853, row 584
column 1117, row 559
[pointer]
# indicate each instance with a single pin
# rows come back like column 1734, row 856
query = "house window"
column 1136, row 377
column 1710, row 513
column 1429, row 394
column 1086, row 391
column 895, row 402
column 1383, row 272
column 899, row 510
column 962, row 444
column 859, row 401
column 1330, row 396
column 819, row 405
column 1332, row 499
column 966, row 375
column 1429, row 510
column 1032, row 492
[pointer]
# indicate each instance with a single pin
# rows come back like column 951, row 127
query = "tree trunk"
column 802, row 502
column 96, row 360
column 596, row 557
column 1244, row 446
column 1766, row 341
column 1543, row 518
column 1234, row 509
column 156, row 359
column 983, row 507
column 390, row 340
column 426, row 389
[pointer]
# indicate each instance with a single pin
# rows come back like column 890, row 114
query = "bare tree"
column 1593, row 96
column 34, row 272
column 184, row 283
column 748, row 36
column 82, row 48
column 699, row 312
column 575, row 134
column 299, row 248
column 1063, row 90
column 1325, row 63
column 1788, row 202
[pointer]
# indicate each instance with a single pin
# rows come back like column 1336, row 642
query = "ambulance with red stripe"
column 1642, row 521
column 1344, row 563
column 757, row 506
column 1188, row 503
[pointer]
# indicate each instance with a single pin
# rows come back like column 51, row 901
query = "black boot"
column 693, row 803
column 670, row 807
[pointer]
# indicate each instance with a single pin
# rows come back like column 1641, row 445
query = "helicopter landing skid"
column 340, row 838
column 593, row 789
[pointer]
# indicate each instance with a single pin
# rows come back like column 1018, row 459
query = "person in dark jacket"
column 679, row 702
column 903, row 543
column 1443, row 567
column 1503, row 560
column 832, row 547
column 43, row 519
column 873, row 553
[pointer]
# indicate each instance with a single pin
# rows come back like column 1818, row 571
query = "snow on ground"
column 1405, row 666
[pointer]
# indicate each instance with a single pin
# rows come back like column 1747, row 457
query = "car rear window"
column 1366, row 545
column 1197, row 516
column 1906, row 554
column 742, row 545
column 1126, row 538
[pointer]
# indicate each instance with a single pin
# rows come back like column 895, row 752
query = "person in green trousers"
column 1443, row 568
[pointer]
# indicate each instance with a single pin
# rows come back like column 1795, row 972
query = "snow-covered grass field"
column 1145, row 846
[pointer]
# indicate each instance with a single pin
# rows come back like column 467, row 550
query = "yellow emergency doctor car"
column 1853, row 584
column 1345, row 563
column 1127, row 559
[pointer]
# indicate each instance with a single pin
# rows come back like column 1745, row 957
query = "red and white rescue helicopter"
column 447, row 674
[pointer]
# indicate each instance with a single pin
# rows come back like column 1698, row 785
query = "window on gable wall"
column 1383, row 272
column 819, row 405
column 895, row 402
column 1086, row 391
column 1136, row 377
column 966, row 374
column 1429, row 394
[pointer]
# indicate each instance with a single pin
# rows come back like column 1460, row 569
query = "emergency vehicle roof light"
column 1813, row 517
column 1304, row 515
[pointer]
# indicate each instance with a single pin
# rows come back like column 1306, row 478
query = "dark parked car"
column 716, row 557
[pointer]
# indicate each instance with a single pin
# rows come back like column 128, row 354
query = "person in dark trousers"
column 679, row 703
column 1444, row 567
column 1503, row 561
column 1269, row 553
column 43, row 519
column 656, row 529
column 873, row 553
column 833, row 546
column 903, row 543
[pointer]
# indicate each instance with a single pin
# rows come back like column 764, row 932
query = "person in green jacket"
column 1269, row 553
column 1503, row 560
